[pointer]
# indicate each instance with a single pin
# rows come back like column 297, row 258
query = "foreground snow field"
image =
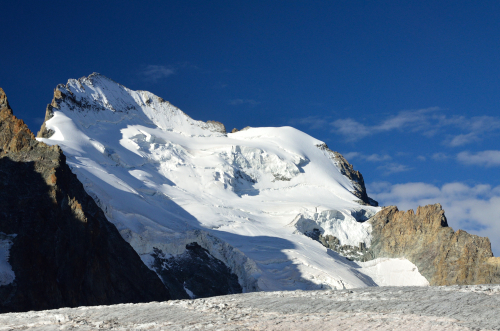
column 384, row 308
column 166, row 180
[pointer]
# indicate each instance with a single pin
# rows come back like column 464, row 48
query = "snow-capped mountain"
column 253, row 199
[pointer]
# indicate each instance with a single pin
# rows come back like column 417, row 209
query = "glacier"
column 458, row 308
column 249, row 198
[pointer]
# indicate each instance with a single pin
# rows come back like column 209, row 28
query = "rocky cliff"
column 64, row 252
column 354, row 176
column 443, row 256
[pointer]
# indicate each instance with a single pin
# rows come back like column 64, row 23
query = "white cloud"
column 482, row 123
column 392, row 168
column 440, row 156
column 475, row 128
column 421, row 158
column 415, row 119
column 313, row 122
column 351, row 155
column 372, row 157
column 427, row 121
column 154, row 73
column 378, row 158
column 387, row 193
column 412, row 120
column 463, row 139
column 351, row 129
column 484, row 158
column 475, row 209
column 236, row 102
column 387, row 168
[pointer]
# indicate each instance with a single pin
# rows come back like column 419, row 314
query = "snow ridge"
column 96, row 99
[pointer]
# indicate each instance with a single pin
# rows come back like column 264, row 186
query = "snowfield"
column 166, row 180
column 383, row 308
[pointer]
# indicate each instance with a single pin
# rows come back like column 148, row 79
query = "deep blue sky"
column 408, row 91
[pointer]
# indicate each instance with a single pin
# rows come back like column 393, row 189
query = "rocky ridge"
column 443, row 256
column 354, row 176
column 64, row 252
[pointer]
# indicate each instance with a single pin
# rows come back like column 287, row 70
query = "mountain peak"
column 96, row 78
column 167, row 180
column 96, row 99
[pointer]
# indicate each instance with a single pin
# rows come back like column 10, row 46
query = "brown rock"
column 15, row 133
column 443, row 256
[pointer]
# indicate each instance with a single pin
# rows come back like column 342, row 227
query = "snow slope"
column 166, row 180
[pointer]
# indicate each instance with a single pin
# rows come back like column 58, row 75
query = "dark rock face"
column 443, row 256
column 65, row 254
column 197, row 271
column 355, row 176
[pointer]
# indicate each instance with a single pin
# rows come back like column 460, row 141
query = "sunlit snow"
column 166, row 180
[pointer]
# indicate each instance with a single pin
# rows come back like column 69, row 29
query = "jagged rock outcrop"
column 65, row 253
column 443, row 256
column 355, row 176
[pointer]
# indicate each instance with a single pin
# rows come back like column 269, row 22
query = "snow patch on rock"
column 7, row 275
column 393, row 272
